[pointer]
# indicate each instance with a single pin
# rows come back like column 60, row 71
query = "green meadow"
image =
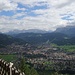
column 8, row 57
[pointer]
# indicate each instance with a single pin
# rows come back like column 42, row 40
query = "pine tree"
column 33, row 71
column 25, row 68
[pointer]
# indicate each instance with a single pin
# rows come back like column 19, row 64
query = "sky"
column 36, row 14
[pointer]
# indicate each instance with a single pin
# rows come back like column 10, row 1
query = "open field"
column 68, row 48
column 8, row 57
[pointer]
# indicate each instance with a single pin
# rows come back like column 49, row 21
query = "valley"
column 45, row 57
column 49, row 52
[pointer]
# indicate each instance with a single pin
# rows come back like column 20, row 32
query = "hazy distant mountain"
column 37, row 38
column 7, row 40
column 69, row 30
column 27, row 31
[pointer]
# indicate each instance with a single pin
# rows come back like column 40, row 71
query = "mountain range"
column 62, row 36
column 68, row 30
column 35, row 38
column 27, row 31
column 7, row 40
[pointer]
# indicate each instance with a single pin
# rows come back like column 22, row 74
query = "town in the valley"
column 43, row 56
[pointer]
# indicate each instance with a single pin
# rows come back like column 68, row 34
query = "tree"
column 33, row 71
column 26, row 69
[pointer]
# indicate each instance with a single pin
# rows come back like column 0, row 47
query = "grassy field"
column 68, row 48
column 8, row 57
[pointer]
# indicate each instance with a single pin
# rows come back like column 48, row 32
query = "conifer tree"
column 25, row 68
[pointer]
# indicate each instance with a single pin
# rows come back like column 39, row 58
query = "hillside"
column 7, row 40
column 37, row 38
column 68, row 30
column 27, row 31
column 62, row 36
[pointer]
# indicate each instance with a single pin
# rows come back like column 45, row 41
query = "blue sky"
column 7, row 13
column 36, row 14
column 67, row 17
column 27, row 10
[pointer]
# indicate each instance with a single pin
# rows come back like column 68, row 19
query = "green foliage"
column 54, row 45
column 34, row 38
column 7, row 40
column 8, row 57
column 23, row 67
column 56, row 73
column 46, row 72
column 26, row 69
column 33, row 71
column 68, row 48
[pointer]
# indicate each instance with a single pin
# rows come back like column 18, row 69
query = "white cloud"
column 47, row 19
column 30, row 2
column 7, row 5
